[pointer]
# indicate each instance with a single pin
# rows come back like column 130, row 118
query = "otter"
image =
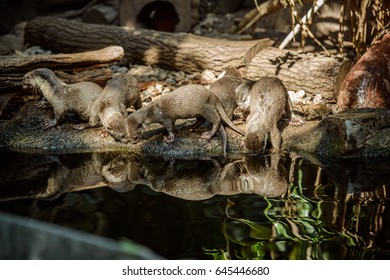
column 242, row 95
column 120, row 93
column 79, row 98
column 268, row 100
column 188, row 101
column 225, row 87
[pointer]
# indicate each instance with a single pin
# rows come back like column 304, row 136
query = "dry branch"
column 13, row 68
column 15, row 64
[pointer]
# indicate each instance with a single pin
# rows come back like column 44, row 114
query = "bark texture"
column 181, row 51
column 85, row 66
column 314, row 73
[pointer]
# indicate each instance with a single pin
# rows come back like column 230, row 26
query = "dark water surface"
column 242, row 208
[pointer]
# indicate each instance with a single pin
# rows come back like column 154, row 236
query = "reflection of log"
column 12, row 68
column 314, row 73
column 182, row 51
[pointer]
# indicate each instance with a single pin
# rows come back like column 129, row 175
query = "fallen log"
column 181, row 51
column 314, row 73
column 13, row 68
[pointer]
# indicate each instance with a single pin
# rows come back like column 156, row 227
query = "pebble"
column 208, row 77
column 35, row 50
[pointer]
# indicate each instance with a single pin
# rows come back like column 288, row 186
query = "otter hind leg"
column 212, row 116
column 276, row 138
column 198, row 123
column 222, row 136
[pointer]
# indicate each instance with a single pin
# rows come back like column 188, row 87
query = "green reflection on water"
column 297, row 227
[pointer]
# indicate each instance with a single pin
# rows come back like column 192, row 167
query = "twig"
column 298, row 26
column 261, row 10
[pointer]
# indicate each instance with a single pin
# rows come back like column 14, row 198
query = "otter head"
column 35, row 79
column 133, row 128
column 254, row 142
column 243, row 94
column 115, row 125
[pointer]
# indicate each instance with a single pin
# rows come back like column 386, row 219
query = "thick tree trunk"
column 181, row 51
column 314, row 73
column 13, row 68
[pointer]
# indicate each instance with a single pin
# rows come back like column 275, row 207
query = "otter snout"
column 115, row 125
column 133, row 129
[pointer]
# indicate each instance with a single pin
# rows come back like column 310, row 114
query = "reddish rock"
column 368, row 82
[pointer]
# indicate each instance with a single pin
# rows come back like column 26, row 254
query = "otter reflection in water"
column 184, row 179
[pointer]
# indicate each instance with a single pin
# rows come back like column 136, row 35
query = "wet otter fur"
column 120, row 93
column 188, row 101
column 79, row 98
column 268, row 101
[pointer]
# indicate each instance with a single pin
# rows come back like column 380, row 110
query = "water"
column 239, row 208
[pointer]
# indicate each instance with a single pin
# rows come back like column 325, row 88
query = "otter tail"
column 222, row 136
column 225, row 119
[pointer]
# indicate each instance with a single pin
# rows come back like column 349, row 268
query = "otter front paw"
column 42, row 104
column 104, row 134
column 169, row 139
column 49, row 124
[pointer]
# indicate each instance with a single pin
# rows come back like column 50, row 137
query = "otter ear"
column 44, row 74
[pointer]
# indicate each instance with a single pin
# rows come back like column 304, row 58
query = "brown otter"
column 224, row 88
column 79, row 98
column 185, row 102
column 268, row 100
column 120, row 93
